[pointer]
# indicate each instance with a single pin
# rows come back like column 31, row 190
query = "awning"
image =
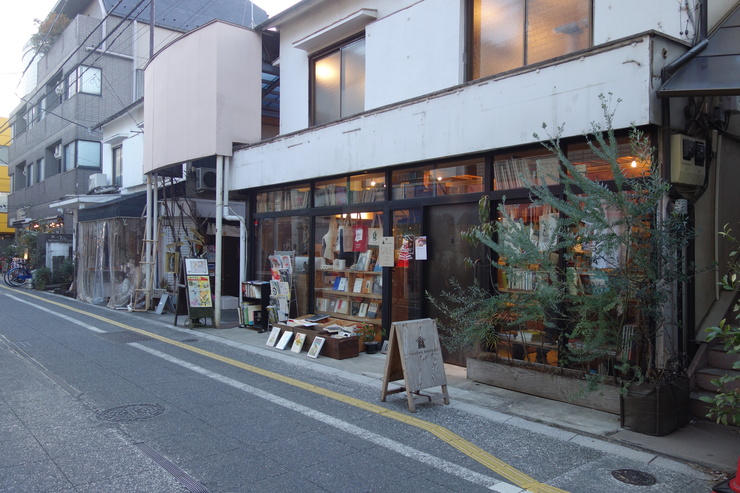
column 715, row 71
column 131, row 205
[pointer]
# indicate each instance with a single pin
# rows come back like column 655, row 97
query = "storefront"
column 333, row 229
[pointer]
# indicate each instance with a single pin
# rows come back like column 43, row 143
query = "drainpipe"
column 219, row 237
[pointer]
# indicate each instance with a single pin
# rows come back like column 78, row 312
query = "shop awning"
column 131, row 205
column 715, row 71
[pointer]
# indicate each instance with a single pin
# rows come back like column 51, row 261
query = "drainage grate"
column 131, row 413
column 191, row 484
column 124, row 337
column 632, row 476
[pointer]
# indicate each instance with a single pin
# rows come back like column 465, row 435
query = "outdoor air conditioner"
column 205, row 179
column 688, row 160
column 58, row 152
column 97, row 180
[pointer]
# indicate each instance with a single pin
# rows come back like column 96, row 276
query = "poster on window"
column 385, row 252
column 420, row 248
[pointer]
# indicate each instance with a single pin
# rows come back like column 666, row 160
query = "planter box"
column 656, row 409
column 561, row 388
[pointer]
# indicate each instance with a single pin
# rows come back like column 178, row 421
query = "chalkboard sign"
column 414, row 356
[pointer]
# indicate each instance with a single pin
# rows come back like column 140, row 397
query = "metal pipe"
column 219, row 238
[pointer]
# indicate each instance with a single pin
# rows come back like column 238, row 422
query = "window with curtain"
column 338, row 82
column 117, row 161
column 507, row 34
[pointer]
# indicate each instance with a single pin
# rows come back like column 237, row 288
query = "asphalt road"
column 97, row 400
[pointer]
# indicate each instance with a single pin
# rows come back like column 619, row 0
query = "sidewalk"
column 701, row 443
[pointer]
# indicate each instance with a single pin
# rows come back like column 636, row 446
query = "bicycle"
column 18, row 275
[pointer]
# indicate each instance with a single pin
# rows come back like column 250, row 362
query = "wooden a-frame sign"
column 414, row 356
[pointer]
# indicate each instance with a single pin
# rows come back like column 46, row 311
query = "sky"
column 17, row 27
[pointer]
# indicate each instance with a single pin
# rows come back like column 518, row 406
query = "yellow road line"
column 474, row 452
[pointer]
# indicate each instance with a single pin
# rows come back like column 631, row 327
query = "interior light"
column 372, row 183
column 634, row 163
column 439, row 178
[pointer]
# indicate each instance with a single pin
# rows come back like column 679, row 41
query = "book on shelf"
column 342, row 307
column 337, row 281
column 332, row 305
column 372, row 310
column 298, row 341
column 315, row 348
column 355, row 312
column 343, row 284
column 318, row 317
column 367, row 288
column 363, row 310
column 357, row 288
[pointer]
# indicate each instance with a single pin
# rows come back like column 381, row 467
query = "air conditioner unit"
column 205, row 179
column 58, row 152
column 688, row 160
column 97, row 180
column 59, row 89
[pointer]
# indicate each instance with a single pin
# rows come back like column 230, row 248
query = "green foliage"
column 67, row 271
column 25, row 243
column 41, row 277
column 48, row 31
column 367, row 332
column 633, row 250
column 726, row 404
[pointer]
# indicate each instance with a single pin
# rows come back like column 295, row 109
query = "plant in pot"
column 368, row 334
column 598, row 277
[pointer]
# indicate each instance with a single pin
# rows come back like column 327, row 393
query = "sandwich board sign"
column 414, row 356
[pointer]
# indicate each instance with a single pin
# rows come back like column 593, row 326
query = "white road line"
column 412, row 453
column 65, row 317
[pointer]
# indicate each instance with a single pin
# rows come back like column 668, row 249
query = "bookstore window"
column 349, row 282
column 533, row 341
column 289, row 235
column 338, row 82
column 284, row 199
column 598, row 169
column 509, row 34
column 438, row 181
column 511, row 170
column 369, row 187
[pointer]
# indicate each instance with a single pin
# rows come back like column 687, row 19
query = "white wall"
column 477, row 117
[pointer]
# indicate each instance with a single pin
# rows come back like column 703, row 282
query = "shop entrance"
column 447, row 253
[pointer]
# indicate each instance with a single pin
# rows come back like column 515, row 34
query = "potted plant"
column 598, row 279
column 369, row 335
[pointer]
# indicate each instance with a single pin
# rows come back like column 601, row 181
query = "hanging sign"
column 420, row 248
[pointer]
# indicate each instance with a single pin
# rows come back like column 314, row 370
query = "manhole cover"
column 632, row 476
column 131, row 413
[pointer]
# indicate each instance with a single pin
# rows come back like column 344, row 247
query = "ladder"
column 141, row 297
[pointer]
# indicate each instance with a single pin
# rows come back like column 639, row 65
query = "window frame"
column 322, row 54
column 75, row 81
column 525, row 45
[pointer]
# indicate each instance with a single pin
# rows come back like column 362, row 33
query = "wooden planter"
column 655, row 408
column 550, row 385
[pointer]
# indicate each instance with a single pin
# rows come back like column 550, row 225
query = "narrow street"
column 97, row 400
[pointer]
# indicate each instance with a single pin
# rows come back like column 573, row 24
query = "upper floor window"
column 507, row 34
column 3, row 202
column 338, row 82
column 81, row 154
column 84, row 79
column 117, row 162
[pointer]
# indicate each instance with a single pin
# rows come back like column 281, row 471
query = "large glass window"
column 339, row 82
column 40, row 170
column 439, row 180
column 514, row 169
column 507, row 34
column 70, row 160
column 597, row 168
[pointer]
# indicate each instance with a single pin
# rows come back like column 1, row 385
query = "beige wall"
column 203, row 94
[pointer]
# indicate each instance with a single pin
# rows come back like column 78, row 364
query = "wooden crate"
column 336, row 348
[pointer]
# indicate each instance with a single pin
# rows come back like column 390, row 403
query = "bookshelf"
column 255, row 300
column 351, row 295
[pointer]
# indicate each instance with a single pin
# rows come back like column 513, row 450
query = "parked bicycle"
column 18, row 275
